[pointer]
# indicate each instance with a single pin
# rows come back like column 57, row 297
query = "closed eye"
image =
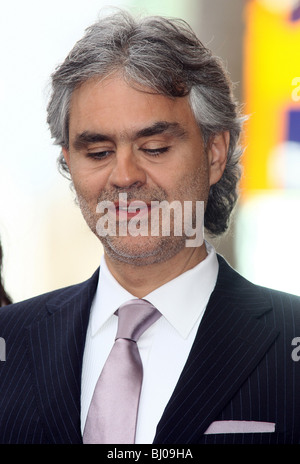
column 99, row 154
column 155, row 151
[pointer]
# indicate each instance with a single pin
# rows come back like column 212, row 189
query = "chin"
column 142, row 251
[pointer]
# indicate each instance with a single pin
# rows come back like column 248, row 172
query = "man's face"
column 124, row 140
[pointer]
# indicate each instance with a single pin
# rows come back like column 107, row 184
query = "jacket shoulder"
column 230, row 280
column 33, row 308
column 284, row 308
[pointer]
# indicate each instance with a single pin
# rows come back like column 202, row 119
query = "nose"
column 126, row 171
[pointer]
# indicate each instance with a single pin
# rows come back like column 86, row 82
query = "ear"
column 217, row 156
column 66, row 155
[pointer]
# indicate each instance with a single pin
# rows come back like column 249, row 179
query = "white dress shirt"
column 164, row 347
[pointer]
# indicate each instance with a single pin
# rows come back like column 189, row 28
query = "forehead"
column 115, row 106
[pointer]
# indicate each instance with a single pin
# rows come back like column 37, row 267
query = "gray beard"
column 152, row 249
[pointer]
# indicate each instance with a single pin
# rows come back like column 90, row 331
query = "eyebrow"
column 86, row 138
column 161, row 127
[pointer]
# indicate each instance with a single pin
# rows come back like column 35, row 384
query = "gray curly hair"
column 165, row 55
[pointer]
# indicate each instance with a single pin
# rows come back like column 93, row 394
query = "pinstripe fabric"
column 40, row 379
column 240, row 367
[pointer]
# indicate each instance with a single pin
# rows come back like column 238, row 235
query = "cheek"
column 87, row 183
column 86, row 189
column 193, row 185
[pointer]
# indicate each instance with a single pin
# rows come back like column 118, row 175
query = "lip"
column 128, row 210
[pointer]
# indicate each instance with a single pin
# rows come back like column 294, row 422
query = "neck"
column 140, row 280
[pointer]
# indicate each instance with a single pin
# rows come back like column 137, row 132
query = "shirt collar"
column 181, row 301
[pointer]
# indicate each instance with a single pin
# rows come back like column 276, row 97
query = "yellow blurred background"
column 46, row 242
column 268, row 220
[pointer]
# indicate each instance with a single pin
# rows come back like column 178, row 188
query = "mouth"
column 129, row 210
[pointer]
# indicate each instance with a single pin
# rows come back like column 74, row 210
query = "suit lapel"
column 231, row 341
column 56, row 345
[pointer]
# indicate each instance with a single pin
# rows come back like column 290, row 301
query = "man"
column 144, row 114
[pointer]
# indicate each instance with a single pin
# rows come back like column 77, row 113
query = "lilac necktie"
column 113, row 411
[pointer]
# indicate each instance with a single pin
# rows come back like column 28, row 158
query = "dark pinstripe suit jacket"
column 240, row 367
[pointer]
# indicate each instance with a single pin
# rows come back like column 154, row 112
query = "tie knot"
column 135, row 316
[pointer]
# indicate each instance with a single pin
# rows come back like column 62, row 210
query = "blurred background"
column 46, row 242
